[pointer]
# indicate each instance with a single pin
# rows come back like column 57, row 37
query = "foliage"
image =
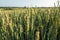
column 30, row 24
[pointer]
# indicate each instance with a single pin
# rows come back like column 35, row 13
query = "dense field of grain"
column 29, row 24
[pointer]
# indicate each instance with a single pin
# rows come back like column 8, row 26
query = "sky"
column 27, row 3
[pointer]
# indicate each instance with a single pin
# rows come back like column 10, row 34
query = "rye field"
column 30, row 23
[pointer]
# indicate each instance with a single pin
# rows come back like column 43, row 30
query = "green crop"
column 30, row 24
